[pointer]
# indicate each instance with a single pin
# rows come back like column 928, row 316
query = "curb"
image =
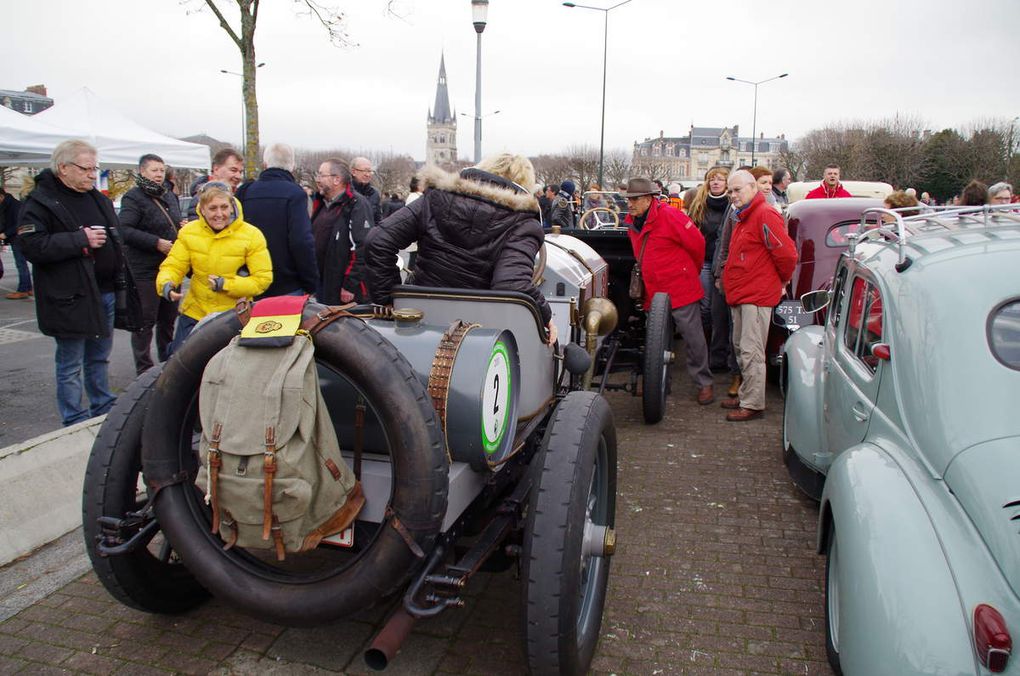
column 40, row 487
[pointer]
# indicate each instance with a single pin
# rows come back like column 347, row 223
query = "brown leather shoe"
column 735, row 386
column 706, row 395
column 742, row 414
column 17, row 295
column 731, row 403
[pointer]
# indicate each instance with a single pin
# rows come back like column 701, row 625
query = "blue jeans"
column 93, row 356
column 184, row 326
column 707, row 285
column 24, row 275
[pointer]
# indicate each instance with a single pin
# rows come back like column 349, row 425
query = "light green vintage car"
column 903, row 417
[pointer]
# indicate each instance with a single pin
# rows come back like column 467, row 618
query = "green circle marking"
column 488, row 443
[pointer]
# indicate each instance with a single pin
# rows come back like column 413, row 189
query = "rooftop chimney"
column 37, row 89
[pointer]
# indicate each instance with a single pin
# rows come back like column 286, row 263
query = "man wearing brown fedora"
column 670, row 249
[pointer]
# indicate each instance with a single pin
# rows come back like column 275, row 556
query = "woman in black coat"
column 478, row 229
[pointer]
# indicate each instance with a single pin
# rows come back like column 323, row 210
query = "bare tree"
column 617, row 168
column 583, row 163
column 244, row 38
column 392, row 172
column 550, row 168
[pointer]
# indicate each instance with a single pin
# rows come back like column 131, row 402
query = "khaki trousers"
column 750, row 331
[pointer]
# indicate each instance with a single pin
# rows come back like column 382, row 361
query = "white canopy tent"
column 119, row 139
column 25, row 141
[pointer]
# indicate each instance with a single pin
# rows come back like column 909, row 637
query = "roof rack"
column 948, row 218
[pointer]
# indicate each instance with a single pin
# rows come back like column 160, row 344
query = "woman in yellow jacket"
column 227, row 257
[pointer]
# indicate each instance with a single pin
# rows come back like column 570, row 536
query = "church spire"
column 441, row 109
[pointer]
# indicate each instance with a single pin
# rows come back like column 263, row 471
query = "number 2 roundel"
column 496, row 398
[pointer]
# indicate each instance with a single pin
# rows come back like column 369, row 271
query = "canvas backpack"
column 271, row 464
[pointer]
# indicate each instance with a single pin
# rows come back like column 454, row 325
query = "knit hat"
column 568, row 187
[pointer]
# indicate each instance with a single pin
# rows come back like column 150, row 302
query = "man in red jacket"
column 830, row 187
column 670, row 250
column 758, row 266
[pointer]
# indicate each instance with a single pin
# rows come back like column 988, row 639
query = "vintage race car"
column 472, row 445
column 901, row 416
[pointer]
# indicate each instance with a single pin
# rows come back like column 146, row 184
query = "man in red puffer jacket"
column 670, row 250
column 758, row 266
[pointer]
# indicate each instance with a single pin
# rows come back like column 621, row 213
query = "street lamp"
column 479, row 11
column 754, row 119
column 244, row 131
column 605, row 43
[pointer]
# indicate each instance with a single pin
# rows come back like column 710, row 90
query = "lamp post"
column 605, row 44
column 479, row 11
column 244, row 133
column 754, row 118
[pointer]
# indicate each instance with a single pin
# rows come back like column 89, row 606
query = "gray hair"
column 996, row 188
column 68, row 151
column 279, row 156
column 361, row 160
column 746, row 176
column 340, row 168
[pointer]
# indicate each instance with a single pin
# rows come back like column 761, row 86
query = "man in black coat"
column 341, row 217
column 68, row 231
column 278, row 206
column 561, row 212
column 10, row 209
column 361, row 176
column 149, row 217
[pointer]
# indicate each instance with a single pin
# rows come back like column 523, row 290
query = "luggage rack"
column 929, row 219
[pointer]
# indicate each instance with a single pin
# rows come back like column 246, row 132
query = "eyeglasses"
column 87, row 170
column 318, row 175
column 364, row 171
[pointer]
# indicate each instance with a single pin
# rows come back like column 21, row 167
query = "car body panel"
column 802, row 356
column 894, row 618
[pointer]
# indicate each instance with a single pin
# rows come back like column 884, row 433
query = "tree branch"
column 224, row 24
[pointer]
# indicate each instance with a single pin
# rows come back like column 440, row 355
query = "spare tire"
column 292, row 596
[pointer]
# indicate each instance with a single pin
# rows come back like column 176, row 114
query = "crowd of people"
column 721, row 251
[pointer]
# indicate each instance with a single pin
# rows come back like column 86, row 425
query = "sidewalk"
column 715, row 574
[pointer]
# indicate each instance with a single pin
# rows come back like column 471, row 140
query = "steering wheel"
column 536, row 277
column 612, row 222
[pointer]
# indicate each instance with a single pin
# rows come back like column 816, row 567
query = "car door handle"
column 860, row 414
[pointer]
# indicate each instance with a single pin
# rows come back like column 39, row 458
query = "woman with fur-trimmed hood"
column 479, row 229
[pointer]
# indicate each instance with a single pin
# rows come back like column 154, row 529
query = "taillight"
column 991, row 638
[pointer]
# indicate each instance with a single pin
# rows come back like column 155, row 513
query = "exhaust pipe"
column 387, row 642
column 600, row 318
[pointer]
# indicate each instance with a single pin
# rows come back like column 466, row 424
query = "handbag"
column 637, row 284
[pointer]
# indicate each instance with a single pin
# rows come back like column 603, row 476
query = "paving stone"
column 45, row 653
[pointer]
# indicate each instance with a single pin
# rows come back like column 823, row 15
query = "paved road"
column 28, row 403
column 715, row 574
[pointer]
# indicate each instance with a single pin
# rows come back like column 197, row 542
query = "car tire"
column 832, row 601
column 279, row 593
column 144, row 580
column 656, row 365
column 574, row 487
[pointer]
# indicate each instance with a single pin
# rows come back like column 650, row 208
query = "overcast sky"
column 947, row 63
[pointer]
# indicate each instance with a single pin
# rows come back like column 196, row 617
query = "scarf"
column 149, row 187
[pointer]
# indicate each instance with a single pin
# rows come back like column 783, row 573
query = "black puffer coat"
column 475, row 230
column 142, row 224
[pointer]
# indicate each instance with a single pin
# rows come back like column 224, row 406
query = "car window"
column 1004, row 333
column 864, row 321
column 836, row 236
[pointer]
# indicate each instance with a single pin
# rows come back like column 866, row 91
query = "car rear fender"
column 899, row 608
column 802, row 361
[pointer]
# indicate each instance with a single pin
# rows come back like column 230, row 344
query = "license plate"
column 790, row 314
column 344, row 538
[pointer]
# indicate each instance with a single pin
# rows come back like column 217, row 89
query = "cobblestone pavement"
column 715, row 574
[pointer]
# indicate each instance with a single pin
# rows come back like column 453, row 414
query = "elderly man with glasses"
column 68, row 231
column 759, row 263
column 341, row 217
column 362, row 173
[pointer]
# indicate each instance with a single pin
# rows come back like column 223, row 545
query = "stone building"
column 687, row 158
column 441, row 125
